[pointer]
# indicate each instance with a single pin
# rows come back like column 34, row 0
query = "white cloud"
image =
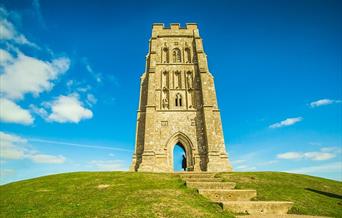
column 322, row 102
column 336, row 150
column 21, row 74
column 70, row 83
column 91, row 99
column 89, row 69
column 9, row 32
column 96, row 76
column 11, row 146
column 325, row 168
column 40, row 111
column 318, row 155
column 6, row 139
column 68, row 109
column 26, row 74
column 45, row 158
column 287, row 122
column 108, row 165
column 10, row 112
column 290, row 155
column 14, row 147
column 314, row 155
column 84, row 89
column 5, row 57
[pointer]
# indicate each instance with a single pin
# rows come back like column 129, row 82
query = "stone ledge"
column 211, row 185
column 228, row 195
column 197, row 175
column 258, row 207
column 202, row 179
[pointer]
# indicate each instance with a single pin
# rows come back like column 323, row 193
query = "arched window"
column 176, row 55
column 165, row 55
column 178, row 100
column 187, row 55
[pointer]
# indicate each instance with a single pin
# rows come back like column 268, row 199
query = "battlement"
column 174, row 26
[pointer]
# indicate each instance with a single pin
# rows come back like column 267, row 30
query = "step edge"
column 255, row 202
column 230, row 190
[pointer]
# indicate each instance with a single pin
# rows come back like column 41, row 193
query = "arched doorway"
column 178, row 152
column 180, row 139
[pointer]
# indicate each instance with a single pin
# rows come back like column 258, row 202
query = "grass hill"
column 126, row 194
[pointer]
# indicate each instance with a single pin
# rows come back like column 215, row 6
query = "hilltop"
column 127, row 194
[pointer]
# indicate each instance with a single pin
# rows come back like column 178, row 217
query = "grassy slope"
column 157, row 195
column 129, row 195
column 311, row 195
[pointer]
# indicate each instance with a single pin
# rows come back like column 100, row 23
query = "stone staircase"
column 238, row 201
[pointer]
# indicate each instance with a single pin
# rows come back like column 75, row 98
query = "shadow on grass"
column 332, row 195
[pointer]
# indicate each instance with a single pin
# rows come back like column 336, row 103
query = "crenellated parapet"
column 174, row 26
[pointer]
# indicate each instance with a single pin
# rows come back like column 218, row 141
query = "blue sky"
column 70, row 72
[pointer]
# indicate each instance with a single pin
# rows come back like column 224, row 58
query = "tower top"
column 173, row 26
column 190, row 30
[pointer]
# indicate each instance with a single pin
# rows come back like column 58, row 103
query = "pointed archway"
column 180, row 138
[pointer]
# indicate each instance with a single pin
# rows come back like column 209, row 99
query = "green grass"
column 311, row 195
column 126, row 194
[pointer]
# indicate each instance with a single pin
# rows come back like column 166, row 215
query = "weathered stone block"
column 211, row 185
column 228, row 195
column 258, row 207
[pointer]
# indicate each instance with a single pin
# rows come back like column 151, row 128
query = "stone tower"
column 178, row 105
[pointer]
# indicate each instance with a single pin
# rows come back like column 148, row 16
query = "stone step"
column 197, row 175
column 202, row 179
column 228, row 195
column 258, row 207
column 211, row 185
column 193, row 172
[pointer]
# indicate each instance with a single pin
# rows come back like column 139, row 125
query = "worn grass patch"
column 311, row 195
column 105, row 194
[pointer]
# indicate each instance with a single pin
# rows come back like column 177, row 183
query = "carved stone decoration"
column 165, row 80
column 165, row 99
column 178, row 105
column 189, row 80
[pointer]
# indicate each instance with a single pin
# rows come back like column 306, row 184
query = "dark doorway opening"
column 178, row 152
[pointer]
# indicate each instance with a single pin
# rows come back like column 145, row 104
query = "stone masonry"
column 178, row 105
